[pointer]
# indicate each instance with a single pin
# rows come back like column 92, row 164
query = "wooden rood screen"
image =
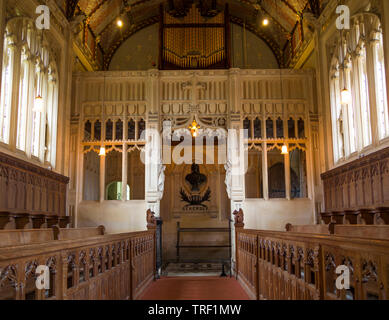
column 297, row 266
column 103, row 267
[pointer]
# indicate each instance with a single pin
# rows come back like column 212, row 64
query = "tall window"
column 355, row 123
column 23, row 102
column 31, row 96
column 36, row 115
column 364, row 99
column 349, row 109
column 336, row 113
column 6, row 90
column 381, row 94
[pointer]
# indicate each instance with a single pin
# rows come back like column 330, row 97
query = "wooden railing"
column 302, row 266
column 101, row 267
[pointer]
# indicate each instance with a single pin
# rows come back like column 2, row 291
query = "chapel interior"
column 148, row 141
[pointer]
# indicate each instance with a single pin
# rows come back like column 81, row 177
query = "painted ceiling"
column 101, row 16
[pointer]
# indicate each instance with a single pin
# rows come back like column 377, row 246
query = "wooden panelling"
column 362, row 183
column 28, row 188
column 298, row 266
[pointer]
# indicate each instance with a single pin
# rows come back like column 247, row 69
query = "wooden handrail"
column 301, row 266
column 115, row 266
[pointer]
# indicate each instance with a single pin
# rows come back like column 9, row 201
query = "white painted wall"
column 115, row 216
column 274, row 214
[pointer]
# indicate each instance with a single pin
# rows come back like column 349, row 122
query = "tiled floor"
column 195, row 288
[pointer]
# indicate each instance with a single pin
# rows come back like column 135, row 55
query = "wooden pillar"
column 239, row 225
column 124, row 171
column 102, row 178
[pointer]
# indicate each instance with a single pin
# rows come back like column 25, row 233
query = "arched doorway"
column 195, row 211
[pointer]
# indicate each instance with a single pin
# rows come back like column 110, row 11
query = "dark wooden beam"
column 71, row 6
column 315, row 7
column 290, row 6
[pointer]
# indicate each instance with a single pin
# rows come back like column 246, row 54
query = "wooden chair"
column 37, row 220
column 5, row 218
column 352, row 217
column 367, row 215
column 382, row 216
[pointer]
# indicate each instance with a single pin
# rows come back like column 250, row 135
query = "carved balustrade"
column 105, row 267
column 301, row 266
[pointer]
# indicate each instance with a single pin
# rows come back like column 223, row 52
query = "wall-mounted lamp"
column 194, row 128
column 38, row 104
column 265, row 22
column 102, row 151
column 345, row 96
column 284, row 149
column 119, row 23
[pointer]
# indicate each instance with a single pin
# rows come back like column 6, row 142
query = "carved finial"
column 151, row 221
column 239, row 217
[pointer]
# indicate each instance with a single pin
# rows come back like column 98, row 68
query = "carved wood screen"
column 363, row 183
column 194, row 37
column 27, row 188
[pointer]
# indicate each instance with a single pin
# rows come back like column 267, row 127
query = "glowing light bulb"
column 102, row 151
column 194, row 128
column 284, row 149
column 346, row 96
column 265, row 22
column 120, row 23
column 38, row 104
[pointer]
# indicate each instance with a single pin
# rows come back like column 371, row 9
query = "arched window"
column 6, row 88
column 23, row 100
column 364, row 97
column 33, row 92
column 336, row 113
column 359, row 106
column 380, row 80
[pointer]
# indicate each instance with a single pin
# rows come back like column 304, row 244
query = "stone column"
column 153, row 165
column 235, row 171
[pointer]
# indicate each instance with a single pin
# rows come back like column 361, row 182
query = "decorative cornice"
column 8, row 160
column 357, row 164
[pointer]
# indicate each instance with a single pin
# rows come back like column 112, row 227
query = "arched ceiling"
column 101, row 17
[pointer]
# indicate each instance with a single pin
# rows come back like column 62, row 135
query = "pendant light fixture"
column 194, row 128
column 345, row 94
column 39, row 103
column 284, row 148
